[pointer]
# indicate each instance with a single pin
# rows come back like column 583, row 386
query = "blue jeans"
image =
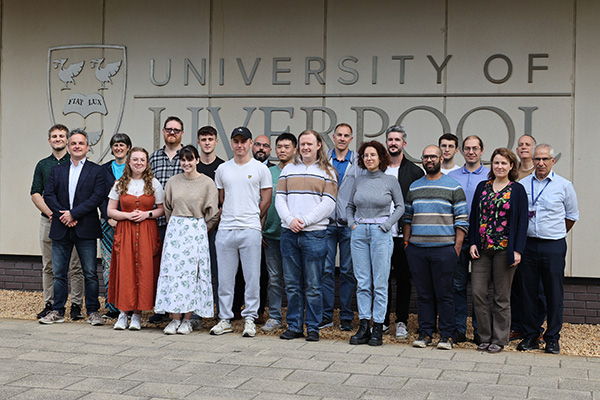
column 303, row 255
column 459, row 290
column 339, row 235
column 371, row 254
column 61, row 256
column 275, row 269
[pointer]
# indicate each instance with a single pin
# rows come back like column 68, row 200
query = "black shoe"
column 552, row 347
column 459, row 337
column 477, row 339
column 76, row 314
column 45, row 311
column 312, row 336
column 363, row 335
column 289, row 335
column 111, row 315
column 346, row 325
column 325, row 323
column 528, row 344
column 158, row 318
column 376, row 333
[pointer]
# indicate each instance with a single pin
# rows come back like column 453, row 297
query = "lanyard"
column 533, row 198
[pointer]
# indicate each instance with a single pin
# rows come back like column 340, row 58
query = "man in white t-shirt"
column 245, row 191
column 448, row 142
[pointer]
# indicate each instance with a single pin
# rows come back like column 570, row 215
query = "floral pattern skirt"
column 184, row 283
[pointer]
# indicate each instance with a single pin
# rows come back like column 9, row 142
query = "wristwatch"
column 150, row 214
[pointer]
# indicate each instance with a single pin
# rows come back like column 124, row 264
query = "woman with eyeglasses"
column 368, row 214
column 497, row 233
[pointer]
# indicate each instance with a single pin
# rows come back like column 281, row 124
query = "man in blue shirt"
column 469, row 177
column 552, row 213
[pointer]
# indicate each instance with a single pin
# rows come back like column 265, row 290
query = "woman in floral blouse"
column 497, row 233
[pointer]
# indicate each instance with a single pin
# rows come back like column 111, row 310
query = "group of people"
column 179, row 225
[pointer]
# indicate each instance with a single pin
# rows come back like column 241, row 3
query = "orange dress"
column 135, row 261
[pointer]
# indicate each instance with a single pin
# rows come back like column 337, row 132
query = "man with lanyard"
column 406, row 172
column 469, row 177
column 344, row 161
column 552, row 213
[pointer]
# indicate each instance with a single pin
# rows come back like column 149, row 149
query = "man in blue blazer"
column 73, row 192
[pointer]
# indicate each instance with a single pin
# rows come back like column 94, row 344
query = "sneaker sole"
column 119, row 328
column 248, row 334
column 60, row 321
column 221, row 333
column 444, row 347
column 134, row 328
column 329, row 325
column 401, row 336
column 420, row 345
column 95, row 323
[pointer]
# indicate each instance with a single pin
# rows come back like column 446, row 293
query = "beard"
column 261, row 156
column 394, row 151
column 433, row 168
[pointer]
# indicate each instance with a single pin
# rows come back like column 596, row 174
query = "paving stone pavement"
column 78, row 361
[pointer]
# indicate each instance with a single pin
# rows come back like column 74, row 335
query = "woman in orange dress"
column 136, row 247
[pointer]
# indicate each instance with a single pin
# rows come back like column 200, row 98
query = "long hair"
column 147, row 174
column 322, row 160
column 513, row 174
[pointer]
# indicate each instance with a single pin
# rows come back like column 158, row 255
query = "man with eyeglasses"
column 261, row 150
column 435, row 223
column 164, row 163
column 552, row 213
column 469, row 177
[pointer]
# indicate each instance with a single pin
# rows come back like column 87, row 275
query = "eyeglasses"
column 375, row 155
column 469, row 149
column 264, row 145
column 427, row 157
column 173, row 130
column 544, row 159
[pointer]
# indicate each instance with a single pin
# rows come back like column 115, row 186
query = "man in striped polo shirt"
column 434, row 223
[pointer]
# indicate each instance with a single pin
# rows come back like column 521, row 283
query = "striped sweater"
column 435, row 209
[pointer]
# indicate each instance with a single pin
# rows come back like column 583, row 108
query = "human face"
column 207, row 143
column 501, row 166
column 432, row 161
column 342, row 138
column 543, row 162
column 241, row 146
column 371, row 159
column 78, row 147
column 58, row 140
column 173, row 133
column 188, row 166
column 261, row 149
column 525, row 147
column 285, row 151
column 395, row 144
column 472, row 152
column 120, row 150
column 309, row 148
column 449, row 149
column 138, row 163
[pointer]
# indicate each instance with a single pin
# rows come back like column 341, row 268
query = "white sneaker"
column 401, row 331
column 121, row 323
column 271, row 325
column 249, row 328
column 185, row 328
column 136, row 322
column 171, row 329
column 224, row 326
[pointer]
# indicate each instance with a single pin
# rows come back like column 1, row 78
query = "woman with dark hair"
column 135, row 201
column 368, row 214
column 185, row 284
column 497, row 233
column 120, row 144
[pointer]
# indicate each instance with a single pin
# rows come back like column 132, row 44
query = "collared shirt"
column 42, row 172
column 163, row 169
column 469, row 180
column 74, row 173
column 341, row 165
column 550, row 201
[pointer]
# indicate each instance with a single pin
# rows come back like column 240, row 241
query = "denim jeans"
column 303, row 256
column 341, row 235
column 371, row 254
column 61, row 258
column 459, row 290
column 275, row 269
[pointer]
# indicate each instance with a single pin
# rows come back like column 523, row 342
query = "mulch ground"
column 577, row 340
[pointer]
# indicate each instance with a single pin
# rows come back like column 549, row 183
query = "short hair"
column 546, row 146
column 189, row 153
column 513, row 174
column 172, row 118
column 287, row 136
column 384, row 158
column 59, row 127
column 79, row 131
column 396, row 128
column 473, row 137
column 448, row 136
column 532, row 138
column 439, row 151
column 343, row 124
column 120, row 138
column 207, row 130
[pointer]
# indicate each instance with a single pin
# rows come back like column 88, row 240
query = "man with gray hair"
column 406, row 172
column 552, row 213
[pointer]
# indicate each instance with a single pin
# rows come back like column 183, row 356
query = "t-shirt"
column 393, row 171
column 136, row 188
column 242, row 185
column 448, row 170
column 209, row 169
